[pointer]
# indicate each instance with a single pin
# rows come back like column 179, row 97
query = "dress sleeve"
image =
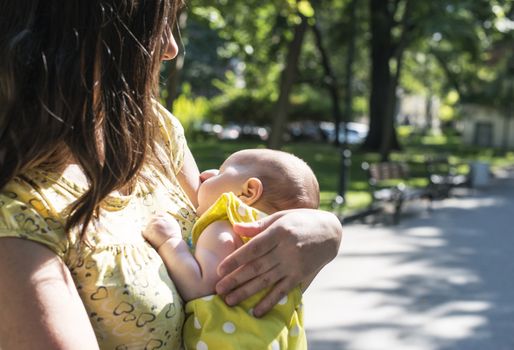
column 23, row 214
column 173, row 137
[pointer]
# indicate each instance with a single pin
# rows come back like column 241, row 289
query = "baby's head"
column 266, row 179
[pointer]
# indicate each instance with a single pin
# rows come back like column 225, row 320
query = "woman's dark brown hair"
column 77, row 80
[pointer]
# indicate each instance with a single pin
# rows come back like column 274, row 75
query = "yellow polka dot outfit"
column 123, row 283
column 212, row 325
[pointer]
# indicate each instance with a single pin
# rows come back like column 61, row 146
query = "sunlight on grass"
column 354, row 199
column 435, row 140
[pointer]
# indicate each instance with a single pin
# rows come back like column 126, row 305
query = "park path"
column 439, row 280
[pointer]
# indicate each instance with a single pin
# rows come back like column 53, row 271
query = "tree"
column 386, row 56
column 332, row 84
column 458, row 33
column 246, row 46
column 286, row 83
column 475, row 53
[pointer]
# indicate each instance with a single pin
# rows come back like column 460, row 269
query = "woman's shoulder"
column 170, row 137
column 29, row 209
column 167, row 121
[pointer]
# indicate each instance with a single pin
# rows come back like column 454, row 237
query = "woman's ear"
column 252, row 191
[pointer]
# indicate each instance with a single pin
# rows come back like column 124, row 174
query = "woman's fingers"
column 254, row 286
column 246, row 265
column 251, row 229
column 298, row 243
column 279, row 291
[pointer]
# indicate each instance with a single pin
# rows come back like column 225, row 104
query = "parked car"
column 356, row 132
column 254, row 132
column 208, row 129
column 304, row 131
column 230, row 132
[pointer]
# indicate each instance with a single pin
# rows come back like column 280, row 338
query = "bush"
column 190, row 110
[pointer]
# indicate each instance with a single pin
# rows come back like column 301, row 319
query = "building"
column 487, row 127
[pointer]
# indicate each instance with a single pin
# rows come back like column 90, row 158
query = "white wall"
column 474, row 114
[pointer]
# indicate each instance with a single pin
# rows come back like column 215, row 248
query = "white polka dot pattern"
column 201, row 346
column 197, row 323
column 229, row 327
column 211, row 325
column 242, row 210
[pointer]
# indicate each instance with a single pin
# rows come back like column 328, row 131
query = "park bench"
column 388, row 186
column 443, row 177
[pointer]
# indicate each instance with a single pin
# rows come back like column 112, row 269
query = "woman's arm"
column 41, row 308
column 289, row 248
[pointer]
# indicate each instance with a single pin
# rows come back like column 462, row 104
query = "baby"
column 250, row 185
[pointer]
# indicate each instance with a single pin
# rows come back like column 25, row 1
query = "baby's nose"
column 207, row 174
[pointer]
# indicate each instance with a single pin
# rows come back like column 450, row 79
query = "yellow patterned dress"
column 131, row 301
column 212, row 325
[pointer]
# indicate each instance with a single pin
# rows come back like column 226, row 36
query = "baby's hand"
column 161, row 228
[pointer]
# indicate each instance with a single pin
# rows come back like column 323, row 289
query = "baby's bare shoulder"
column 220, row 232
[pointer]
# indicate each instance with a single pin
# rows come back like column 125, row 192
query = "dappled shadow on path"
column 442, row 281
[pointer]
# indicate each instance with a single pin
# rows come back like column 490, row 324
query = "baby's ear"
column 252, row 191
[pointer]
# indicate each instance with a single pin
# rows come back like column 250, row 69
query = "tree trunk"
column 429, row 119
column 382, row 103
column 348, row 82
column 286, row 84
column 330, row 78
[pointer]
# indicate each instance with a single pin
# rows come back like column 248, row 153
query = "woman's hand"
column 289, row 249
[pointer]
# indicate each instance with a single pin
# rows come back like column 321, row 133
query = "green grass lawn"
column 325, row 161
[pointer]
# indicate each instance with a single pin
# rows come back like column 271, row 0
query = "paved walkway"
column 439, row 280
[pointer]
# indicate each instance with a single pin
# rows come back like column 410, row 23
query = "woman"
column 87, row 157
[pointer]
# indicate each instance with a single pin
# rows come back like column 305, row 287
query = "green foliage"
column 305, row 8
column 448, row 111
column 404, row 131
column 473, row 50
column 251, row 37
column 241, row 104
column 236, row 51
column 248, row 40
column 310, row 103
column 190, row 110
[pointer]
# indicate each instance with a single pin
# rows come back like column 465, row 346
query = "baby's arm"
column 195, row 276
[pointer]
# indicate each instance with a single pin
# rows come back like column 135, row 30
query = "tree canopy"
column 240, row 58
